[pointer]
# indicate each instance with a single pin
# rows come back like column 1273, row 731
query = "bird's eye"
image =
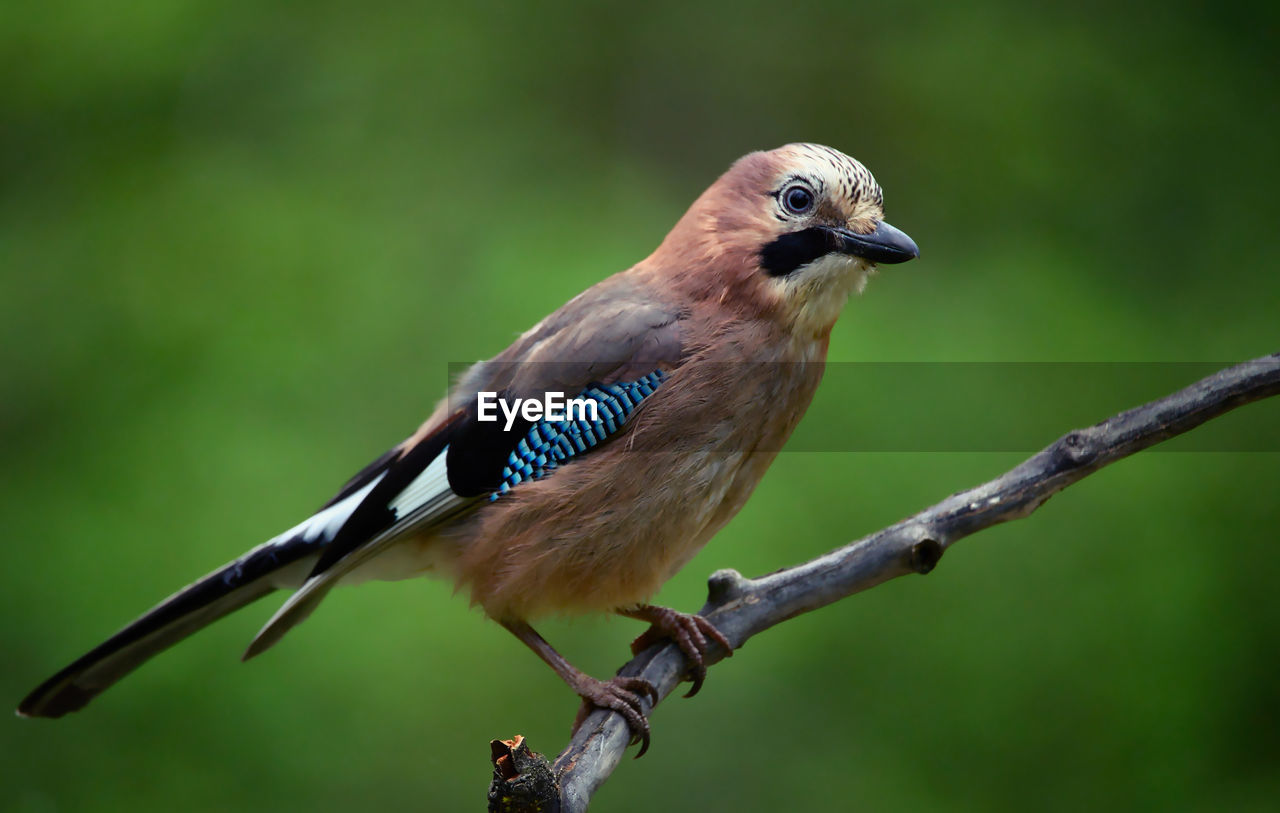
column 797, row 200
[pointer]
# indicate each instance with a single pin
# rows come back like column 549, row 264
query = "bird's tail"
column 284, row 560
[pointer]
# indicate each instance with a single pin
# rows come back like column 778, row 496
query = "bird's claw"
column 690, row 632
column 624, row 695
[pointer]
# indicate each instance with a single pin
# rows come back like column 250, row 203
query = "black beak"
column 886, row 244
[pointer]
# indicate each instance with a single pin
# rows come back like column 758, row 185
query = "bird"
column 689, row 371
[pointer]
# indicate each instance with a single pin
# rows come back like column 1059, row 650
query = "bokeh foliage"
column 241, row 242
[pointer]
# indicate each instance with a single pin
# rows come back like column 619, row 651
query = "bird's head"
column 794, row 230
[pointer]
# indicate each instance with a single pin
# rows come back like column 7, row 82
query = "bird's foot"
column 690, row 632
column 623, row 695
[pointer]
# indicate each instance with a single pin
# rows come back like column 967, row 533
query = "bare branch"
column 742, row 607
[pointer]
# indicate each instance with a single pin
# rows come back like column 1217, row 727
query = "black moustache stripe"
column 785, row 254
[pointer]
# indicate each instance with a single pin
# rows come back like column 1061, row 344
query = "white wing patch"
column 427, row 489
column 426, row 500
column 324, row 525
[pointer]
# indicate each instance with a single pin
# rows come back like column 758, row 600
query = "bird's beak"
column 886, row 244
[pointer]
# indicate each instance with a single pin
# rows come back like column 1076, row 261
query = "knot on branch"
column 523, row 781
column 1077, row 448
column 725, row 586
column 925, row 555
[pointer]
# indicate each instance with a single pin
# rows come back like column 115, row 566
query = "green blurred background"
column 241, row 242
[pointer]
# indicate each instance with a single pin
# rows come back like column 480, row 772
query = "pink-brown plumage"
column 606, row 532
column 735, row 307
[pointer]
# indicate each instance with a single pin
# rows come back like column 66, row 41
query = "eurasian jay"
column 689, row 371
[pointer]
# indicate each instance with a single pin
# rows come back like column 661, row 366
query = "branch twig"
column 742, row 607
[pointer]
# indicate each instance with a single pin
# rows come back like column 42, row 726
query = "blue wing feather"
column 547, row 444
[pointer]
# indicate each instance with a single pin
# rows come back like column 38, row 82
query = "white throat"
column 815, row 293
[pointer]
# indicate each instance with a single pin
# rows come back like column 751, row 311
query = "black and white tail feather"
column 363, row 517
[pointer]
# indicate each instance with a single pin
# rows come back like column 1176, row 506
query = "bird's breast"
column 606, row 530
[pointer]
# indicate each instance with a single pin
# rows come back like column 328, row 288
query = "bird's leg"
column 689, row 631
column 621, row 694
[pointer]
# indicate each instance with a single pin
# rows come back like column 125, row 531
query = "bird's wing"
column 613, row 344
